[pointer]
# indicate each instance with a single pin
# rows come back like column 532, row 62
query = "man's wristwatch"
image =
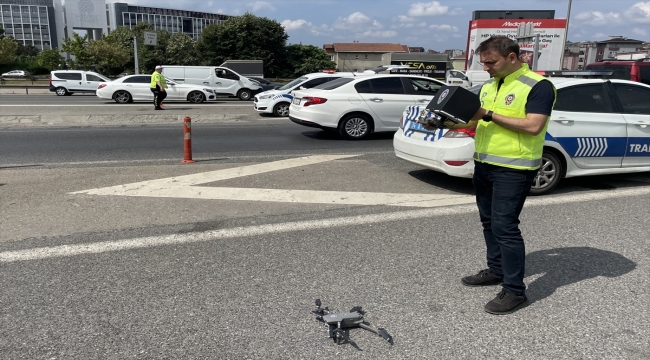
column 488, row 117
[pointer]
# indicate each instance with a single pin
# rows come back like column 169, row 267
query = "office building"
column 30, row 22
column 190, row 22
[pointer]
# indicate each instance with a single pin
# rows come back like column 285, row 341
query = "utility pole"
column 566, row 35
column 135, row 54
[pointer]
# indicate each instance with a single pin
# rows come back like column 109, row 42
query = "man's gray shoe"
column 483, row 278
column 506, row 302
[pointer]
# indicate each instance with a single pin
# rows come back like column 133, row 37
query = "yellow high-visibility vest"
column 494, row 143
column 155, row 77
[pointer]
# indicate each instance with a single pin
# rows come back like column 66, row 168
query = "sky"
column 438, row 25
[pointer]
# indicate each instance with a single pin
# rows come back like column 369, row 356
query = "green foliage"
column 8, row 48
column 108, row 58
column 246, row 37
column 2, row 32
column 305, row 59
column 77, row 46
column 26, row 51
column 50, row 59
column 181, row 50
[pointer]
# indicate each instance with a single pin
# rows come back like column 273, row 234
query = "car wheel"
column 355, row 126
column 196, row 97
column 548, row 175
column 244, row 94
column 122, row 97
column 281, row 109
column 61, row 91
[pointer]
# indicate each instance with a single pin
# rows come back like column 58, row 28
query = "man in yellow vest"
column 158, row 86
column 510, row 129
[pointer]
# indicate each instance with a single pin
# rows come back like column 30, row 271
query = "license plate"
column 296, row 101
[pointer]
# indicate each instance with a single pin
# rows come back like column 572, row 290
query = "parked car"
column 360, row 105
column 68, row 82
column 597, row 127
column 138, row 88
column 277, row 101
column 265, row 84
column 16, row 73
column 634, row 70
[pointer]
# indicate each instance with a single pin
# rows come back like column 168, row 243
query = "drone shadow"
column 566, row 266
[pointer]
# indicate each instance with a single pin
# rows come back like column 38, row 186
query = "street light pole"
column 566, row 35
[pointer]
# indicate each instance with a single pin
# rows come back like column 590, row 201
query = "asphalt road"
column 111, row 248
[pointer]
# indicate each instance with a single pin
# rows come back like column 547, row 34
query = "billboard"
column 551, row 41
column 432, row 69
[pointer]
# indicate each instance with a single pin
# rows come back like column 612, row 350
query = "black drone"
column 339, row 324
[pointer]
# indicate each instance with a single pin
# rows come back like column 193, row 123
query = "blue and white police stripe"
column 288, row 96
column 591, row 147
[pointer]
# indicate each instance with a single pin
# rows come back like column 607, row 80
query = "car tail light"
column 456, row 162
column 401, row 122
column 101, row 86
column 313, row 100
column 50, row 81
column 460, row 133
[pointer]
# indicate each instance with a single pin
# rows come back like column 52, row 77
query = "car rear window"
column 623, row 72
column 583, row 98
column 143, row 79
column 68, row 76
column 334, row 84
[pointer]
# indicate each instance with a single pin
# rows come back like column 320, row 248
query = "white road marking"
column 238, row 232
column 185, row 187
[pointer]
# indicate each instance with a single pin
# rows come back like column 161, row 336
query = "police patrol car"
column 277, row 101
column 597, row 127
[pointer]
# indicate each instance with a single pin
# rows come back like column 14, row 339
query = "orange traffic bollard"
column 187, row 140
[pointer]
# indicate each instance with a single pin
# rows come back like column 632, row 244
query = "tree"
column 305, row 59
column 76, row 46
column 2, row 32
column 50, row 59
column 8, row 48
column 182, row 50
column 26, row 51
column 108, row 58
column 246, row 37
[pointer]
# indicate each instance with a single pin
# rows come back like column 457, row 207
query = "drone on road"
column 339, row 324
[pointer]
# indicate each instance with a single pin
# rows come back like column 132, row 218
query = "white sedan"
column 137, row 88
column 597, row 127
column 359, row 105
column 15, row 73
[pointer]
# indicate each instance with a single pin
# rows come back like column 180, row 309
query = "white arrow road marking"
column 258, row 230
column 186, row 187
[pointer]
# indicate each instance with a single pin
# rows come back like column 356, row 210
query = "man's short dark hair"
column 500, row 44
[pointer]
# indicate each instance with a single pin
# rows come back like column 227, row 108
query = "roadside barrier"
column 187, row 140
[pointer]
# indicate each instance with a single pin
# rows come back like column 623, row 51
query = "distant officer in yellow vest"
column 510, row 130
column 158, row 86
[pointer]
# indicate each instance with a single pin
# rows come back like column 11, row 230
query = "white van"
column 477, row 77
column 222, row 80
column 457, row 78
column 67, row 82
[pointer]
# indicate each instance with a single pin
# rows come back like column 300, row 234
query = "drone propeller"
column 383, row 333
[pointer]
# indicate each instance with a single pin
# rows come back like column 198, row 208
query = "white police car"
column 277, row 101
column 597, row 127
